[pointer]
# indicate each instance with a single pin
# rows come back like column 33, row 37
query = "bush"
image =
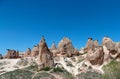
column 58, row 69
column 46, row 68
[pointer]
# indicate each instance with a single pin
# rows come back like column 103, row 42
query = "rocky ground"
column 66, row 68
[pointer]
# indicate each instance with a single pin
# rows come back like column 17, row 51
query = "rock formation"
column 11, row 54
column 65, row 47
column 113, row 48
column 45, row 57
column 76, row 52
column 54, row 50
column 90, row 44
column 95, row 43
column 96, row 57
column 109, row 43
column 35, row 51
column 27, row 53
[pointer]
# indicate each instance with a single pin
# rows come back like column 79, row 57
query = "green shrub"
column 46, row 68
column 58, row 69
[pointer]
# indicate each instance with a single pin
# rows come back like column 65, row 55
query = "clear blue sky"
column 23, row 22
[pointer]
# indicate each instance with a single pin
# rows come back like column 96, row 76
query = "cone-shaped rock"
column 96, row 43
column 65, row 46
column 27, row 53
column 53, row 47
column 90, row 44
column 45, row 58
column 54, row 50
column 35, row 51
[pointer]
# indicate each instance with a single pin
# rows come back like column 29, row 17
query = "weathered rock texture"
column 54, row 50
column 11, row 54
column 113, row 48
column 45, row 57
column 96, row 57
column 102, row 54
column 65, row 47
column 90, row 44
column 35, row 51
column 27, row 53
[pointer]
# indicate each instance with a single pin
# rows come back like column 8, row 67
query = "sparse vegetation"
column 46, row 69
column 17, row 74
column 89, row 75
column 44, row 75
column 112, row 70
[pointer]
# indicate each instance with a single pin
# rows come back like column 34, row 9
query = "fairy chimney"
column 45, row 57
column 27, row 53
column 35, row 51
column 65, row 46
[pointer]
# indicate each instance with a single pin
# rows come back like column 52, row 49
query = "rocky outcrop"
column 12, row 54
column 45, row 57
column 90, row 44
column 27, row 53
column 65, row 47
column 35, row 51
column 109, row 43
column 76, row 52
column 102, row 54
column 95, row 43
column 54, row 50
column 96, row 57
column 113, row 48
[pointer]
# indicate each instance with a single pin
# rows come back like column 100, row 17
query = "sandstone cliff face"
column 11, row 54
column 27, row 53
column 45, row 57
column 35, row 51
column 65, row 47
